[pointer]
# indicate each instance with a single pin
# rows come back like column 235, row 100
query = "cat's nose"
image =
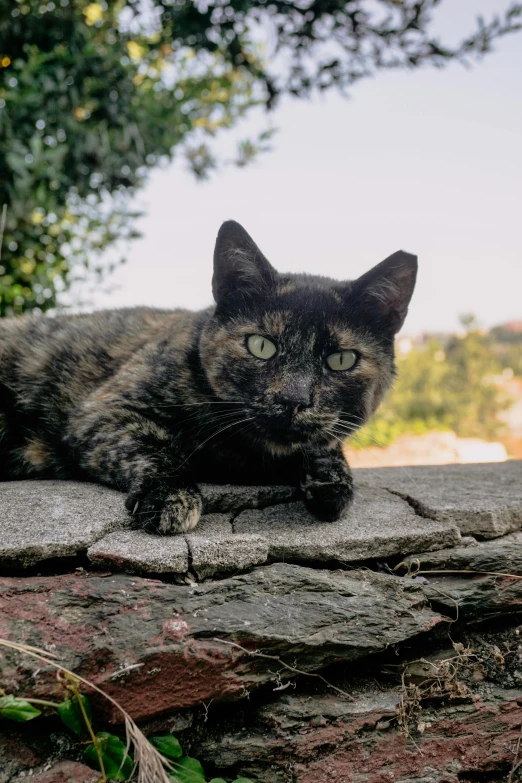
column 296, row 394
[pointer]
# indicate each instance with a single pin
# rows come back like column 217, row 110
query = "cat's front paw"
column 328, row 488
column 165, row 509
column 328, row 502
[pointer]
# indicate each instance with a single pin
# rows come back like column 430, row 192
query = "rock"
column 476, row 597
column 379, row 524
column 483, row 500
column 157, row 647
column 228, row 497
column 139, row 552
column 319, row 738
column 492, row 588
column 55, row 519
column 18, row 751
column 503, row 555
column 214, row 552
column 65, row 772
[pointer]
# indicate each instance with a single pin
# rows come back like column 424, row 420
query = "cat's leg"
column 130, row 452
column 327, row 484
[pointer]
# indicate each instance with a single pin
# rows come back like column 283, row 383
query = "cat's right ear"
column 240, row 268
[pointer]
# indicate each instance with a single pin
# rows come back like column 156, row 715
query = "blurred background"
column 336, row 131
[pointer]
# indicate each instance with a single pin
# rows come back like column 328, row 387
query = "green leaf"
column 218, row 780
column 167, row 745
column 17, row 709
column 243, row 780
column 71, row 714
column 118, row 765
column 188, row 770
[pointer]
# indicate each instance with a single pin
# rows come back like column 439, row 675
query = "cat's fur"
column 152, row 402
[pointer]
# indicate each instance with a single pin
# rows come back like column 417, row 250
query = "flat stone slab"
column 396, row 512
column 215, row 548
column 138, row 552
column 481, row 581
column 499, row 555
column 235, row 497
column 159, row 647
column 483, row 500
column 55, row 519
column 379, row 524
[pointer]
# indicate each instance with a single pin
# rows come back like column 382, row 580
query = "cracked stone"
column 215, row 549
column 482, row 500
column 379, row 524
column 157, row 647
column 322, row 737
column 492, row 588
column 228, row 497
column 139, row 552
column 55, row 519
column 502, row 555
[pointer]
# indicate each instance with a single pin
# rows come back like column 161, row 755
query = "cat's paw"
column 165, row 509
column 328, row 488
column 328, row 502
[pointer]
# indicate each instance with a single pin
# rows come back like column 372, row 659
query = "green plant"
column 158, row 760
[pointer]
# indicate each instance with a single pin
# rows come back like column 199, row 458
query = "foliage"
column 19, row 710
column 87, row 107
column 117, row 764
column 444, row 387
column 93, row 95
column 324, row 43
column 186, row 769
column 107, row 752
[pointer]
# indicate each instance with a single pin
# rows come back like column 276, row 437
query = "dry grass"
column 150, row 765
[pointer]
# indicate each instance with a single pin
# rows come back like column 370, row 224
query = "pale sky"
column 427, row 161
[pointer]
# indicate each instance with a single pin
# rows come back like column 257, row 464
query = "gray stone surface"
column 229, row 497
column 396, row 512
column 215, row 549
column 502, row 555
column 378, row 524
column 54, row 519
column 211, row 556
column 139, row 552
column 483, row 500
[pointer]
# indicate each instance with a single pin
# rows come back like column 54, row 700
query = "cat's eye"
column 260, row 347
column 343, row 360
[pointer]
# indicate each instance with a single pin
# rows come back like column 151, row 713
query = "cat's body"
column 152, row 402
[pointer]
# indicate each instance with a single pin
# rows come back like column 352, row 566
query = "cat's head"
column 305, row 357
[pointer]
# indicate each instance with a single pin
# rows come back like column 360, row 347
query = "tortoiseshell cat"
column 260, row 389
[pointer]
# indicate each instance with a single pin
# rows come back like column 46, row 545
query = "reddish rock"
column 323, row 739
column 159, row 647
column 65, row 772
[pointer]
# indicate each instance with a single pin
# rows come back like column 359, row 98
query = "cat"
column 262, row 388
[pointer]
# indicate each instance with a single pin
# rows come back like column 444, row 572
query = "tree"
column 317, row 44
column 444, row 387
column 86, row 109
column 95, row 94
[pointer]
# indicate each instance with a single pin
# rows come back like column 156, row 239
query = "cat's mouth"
column 289, row 427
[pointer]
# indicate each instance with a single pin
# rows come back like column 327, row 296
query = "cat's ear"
column 383, row 294
column 240, row 268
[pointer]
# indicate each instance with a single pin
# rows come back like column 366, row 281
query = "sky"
column 426, row 161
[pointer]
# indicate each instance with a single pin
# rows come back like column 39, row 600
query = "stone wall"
column 383, row 647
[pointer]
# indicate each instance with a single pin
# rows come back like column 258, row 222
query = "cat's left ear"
column 240, row 268
column 384, row 293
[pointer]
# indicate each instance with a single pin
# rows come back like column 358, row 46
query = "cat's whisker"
column 382, row 445
column 192, row 404
column 234, row 423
